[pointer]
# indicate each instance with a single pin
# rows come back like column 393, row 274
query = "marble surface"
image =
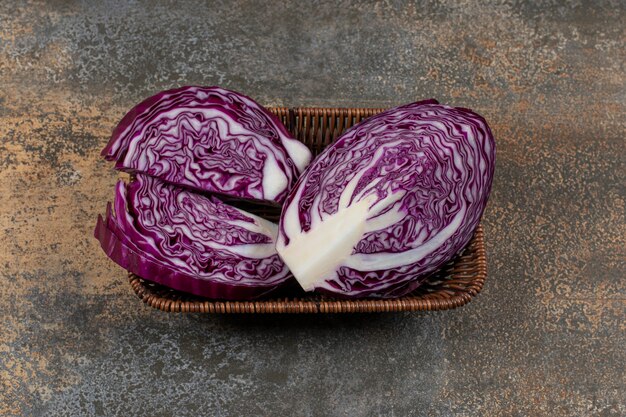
column 547, row 335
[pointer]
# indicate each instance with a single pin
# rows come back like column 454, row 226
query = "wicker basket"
column 452, row 286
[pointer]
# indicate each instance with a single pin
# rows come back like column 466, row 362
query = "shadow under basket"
column 454, row 285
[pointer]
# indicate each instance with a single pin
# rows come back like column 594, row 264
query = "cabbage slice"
column 209, row 139
column 190, row 242
column 392, row 200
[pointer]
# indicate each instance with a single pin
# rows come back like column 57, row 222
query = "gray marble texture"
column 546, row 336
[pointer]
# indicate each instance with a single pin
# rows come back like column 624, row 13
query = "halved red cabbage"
column 390, row 201
column 190, row 242
column 209, row 139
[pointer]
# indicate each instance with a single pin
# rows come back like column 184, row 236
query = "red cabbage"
column 389, row 202
column 190, row 242
column 209, row 139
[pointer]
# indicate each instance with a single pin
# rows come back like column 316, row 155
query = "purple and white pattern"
column 393, row 199
column 209, row 139
column 191, row 242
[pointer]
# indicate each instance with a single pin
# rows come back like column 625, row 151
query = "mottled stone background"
column 546, row 337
